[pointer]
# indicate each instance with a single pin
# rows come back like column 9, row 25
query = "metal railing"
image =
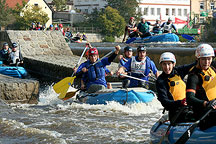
column 85, row 29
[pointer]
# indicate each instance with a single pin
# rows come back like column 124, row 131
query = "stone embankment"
column 18, row 90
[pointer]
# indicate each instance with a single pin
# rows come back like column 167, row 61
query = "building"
column 202, row 9
column 69, row 5
column 87, row 6
column 163, row 9
column 41, row 3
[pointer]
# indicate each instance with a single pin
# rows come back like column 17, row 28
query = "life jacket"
column 96, row 72
column 140, row 69
column 209, row 82
column 156, row 29
column 131, row 26
column 177, row 87
column 167, row 27
column 14, row 56
column 144, row 27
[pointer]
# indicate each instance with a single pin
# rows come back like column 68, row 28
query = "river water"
column 55, row 121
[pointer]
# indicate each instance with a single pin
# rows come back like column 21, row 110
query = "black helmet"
column 141, row 48
column 14, row 45
column 5, row 44
column 127, row 48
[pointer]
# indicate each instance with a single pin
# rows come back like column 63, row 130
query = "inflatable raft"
column 198, row 137
column 133, row 95
column 170, row 37
column 13, row 71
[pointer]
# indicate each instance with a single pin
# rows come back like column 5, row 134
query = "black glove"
column 211, row 104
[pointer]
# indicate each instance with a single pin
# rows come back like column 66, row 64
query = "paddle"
column 70, row 95
column 187, row 37
column 171, row 124
column 136, row 78
column 130, row 40
column 184, row 138
column 63, row 85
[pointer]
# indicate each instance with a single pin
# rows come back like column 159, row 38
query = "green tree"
column 111, row 23
column 59, row 4
column 29, row 15
column 126, row 8
column 5, row 13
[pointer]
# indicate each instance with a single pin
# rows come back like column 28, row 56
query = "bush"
column 109, row 39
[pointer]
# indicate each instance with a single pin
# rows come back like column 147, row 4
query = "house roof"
column 12, row 3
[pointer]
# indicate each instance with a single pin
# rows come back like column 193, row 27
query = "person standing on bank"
column 4, row 53
column 96, row 74
column 170, row 85
column 139, row 66
column 201, row 86
column 15, row 57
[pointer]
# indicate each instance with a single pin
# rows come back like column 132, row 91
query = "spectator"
column 15, row 57
column 4, row 53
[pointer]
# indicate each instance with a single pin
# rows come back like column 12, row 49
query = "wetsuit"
column 165, row 84
column 197, row 92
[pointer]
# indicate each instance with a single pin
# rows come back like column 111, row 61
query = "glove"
column 211, row 104
column 183, row 102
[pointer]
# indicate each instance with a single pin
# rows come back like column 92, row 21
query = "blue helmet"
column 14, row 45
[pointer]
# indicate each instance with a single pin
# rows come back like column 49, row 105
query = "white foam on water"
column 20, row 131
column 49, row 97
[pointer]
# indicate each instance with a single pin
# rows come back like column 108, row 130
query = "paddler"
column 170, row 85
column 95, row 75
column 139, row 66
column 201, row 86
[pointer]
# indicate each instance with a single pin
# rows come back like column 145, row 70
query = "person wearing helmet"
column 4, row 53
column 139, row 66
column 201, row 86
column 33, row 26
column 170, row 85
column 51, row 27
column 168, row 26
column 95, row 75
column 130, row 29
column 61, row 29
column 128, row 53
column 157, row 28
column 143, row 28
column 15, row 57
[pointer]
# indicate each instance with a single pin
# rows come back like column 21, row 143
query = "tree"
column 5, row 13
column 126, row 8
column 31, row 14
column 111, row 23
column 59, row 4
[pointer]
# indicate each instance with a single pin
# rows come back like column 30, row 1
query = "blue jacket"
column 96, row 73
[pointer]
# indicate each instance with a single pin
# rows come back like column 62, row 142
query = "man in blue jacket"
column 95, row 75
column 139, row 66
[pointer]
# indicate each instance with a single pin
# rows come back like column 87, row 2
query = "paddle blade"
column 69, row 95
column 63, row 85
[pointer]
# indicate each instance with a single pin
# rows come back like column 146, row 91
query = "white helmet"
column 142, row 17
column 204, row 50
column 167, row 56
